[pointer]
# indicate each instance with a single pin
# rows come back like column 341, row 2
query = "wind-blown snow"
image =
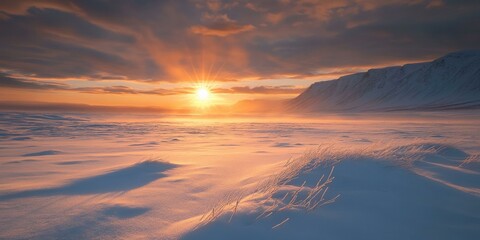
column 80, row 176
column 450, row 82
column 369, row 197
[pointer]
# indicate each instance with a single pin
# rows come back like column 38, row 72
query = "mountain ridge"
column 449, row 82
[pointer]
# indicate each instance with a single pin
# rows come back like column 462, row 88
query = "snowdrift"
column 417, row 191
column 121, row 180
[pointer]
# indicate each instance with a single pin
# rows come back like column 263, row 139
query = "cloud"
column 14, row 82
column 221, row 29
column 221, row 26
column 129, row 90
column 214, row 5
column 69, row 107
column 9, row 82
column 380, row 35
column 166, row 41
column 260, row 90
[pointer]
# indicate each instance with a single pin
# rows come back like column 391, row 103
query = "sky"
column 157, row 54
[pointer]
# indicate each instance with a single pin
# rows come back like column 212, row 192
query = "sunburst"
column 203, row 94
column 204, row 83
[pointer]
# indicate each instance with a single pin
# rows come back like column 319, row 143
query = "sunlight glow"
column 204, row 79
column 203, row 94
column 203, row 98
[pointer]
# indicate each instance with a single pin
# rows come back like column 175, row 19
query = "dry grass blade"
column 281, row 223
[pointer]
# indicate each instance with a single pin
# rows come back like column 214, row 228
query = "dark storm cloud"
column 169, row 40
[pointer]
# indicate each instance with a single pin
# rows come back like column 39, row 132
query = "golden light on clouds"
column 238, row 50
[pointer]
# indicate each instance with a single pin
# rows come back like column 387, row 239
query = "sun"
column 203, row 94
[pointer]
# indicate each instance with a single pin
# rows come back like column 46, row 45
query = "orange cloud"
column 260, row 90
column 137, row 42
column 221, row 30
column 220, row 26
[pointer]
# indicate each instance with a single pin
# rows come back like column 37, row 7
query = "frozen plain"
column 86, row 176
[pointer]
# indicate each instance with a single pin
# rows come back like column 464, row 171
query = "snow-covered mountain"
column 450, row 82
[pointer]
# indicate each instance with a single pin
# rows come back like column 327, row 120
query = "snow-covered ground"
column 396, row 176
